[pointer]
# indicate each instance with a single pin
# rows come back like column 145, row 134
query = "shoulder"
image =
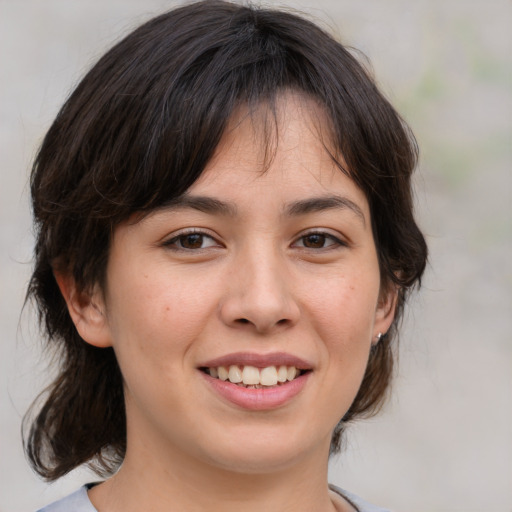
column 76, row 502
column 356, row 501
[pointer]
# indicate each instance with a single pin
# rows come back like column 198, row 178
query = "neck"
column 176, row 481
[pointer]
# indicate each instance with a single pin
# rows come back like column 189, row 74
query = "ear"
column 385, row 312
column 86, row 310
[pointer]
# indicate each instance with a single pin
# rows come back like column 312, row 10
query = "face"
column 266, row 274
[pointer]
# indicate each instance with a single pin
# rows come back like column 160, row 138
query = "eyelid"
column 339, row 241
column 170, row 240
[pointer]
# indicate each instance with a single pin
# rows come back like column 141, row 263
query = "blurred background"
column 444, row 441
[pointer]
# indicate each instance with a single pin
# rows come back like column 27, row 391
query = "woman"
column 225, row 244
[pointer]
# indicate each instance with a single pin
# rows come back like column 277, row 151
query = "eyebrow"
column 294, row 209
column 318, row 204
column 203, row 204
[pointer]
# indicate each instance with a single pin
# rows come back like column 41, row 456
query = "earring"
column 378, row 338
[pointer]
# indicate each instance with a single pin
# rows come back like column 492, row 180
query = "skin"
column 262, row 279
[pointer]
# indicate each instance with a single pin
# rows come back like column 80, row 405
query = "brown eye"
column 314, row 241
column 318, row 240
column 191, row 241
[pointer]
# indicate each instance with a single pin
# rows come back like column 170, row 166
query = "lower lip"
column 258, row 399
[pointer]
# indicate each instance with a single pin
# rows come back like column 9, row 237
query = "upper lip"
column 258, row 360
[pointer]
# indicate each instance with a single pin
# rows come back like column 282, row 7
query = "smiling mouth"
column 254, row 378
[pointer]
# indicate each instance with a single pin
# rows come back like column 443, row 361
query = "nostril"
column 245, row 321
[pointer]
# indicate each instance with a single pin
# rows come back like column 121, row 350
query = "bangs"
column 166, row 103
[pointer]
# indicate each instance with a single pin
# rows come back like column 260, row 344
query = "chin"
column 264, row 451
column 256, row 462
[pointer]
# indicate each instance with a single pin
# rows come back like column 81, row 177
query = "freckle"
column 145, row 276
column 167, row 308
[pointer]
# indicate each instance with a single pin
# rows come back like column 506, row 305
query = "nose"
column 260, row 294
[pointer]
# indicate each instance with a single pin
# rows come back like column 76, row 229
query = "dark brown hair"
column 138, row 131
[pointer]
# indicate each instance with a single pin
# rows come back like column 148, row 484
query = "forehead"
column 289, row 120
column 284, row 146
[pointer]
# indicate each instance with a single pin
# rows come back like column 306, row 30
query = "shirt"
column 79, row 502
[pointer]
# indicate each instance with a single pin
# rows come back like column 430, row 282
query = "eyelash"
column 201, row 235
column 323, row 235
column 173, row 242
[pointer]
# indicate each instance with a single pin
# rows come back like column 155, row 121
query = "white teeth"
column 291, row 373
column 250, row 375
column 254, row 377
column 223, row 373
column 235, row 374
column 268, row 376
column 282, row 374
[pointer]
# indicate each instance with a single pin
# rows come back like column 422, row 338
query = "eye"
column 191, row 241
column 318, row 240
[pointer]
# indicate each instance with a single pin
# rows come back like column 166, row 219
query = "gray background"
column 444, row 442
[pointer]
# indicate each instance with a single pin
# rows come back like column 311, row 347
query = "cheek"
column 154, row 319
column 153, row 331
column 344, row 319
column 344, row 308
